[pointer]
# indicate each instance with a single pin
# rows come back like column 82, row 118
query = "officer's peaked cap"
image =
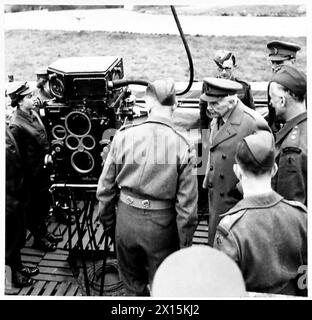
column 17, row 89
column 216, row 88
column 281, row 50
column 163, row 90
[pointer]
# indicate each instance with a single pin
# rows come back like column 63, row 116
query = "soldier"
column 287, row 90
column 149, row 175
column 226, row 63
column 265, row 234
column 282, row 53
column 15, row 231
column 31, row 138
column 232, row 121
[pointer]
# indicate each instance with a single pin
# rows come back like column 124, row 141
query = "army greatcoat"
column 148, row 162
column 14, row 203
column 220, row 178
column 266, row 235
column 32, row 140
column 291, row 143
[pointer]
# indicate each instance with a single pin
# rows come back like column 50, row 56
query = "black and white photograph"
column 155, row 150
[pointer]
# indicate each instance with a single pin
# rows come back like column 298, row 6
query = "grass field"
column 146, row 57
column 237, row 10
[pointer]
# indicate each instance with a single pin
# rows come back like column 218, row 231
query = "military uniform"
column 245, row 95
column 267, row 236
column 149, row 175
column 291, row 143
column 291, row 139
column 32, row 140
column 220, row 178
column 14, row 204
column 282, row 50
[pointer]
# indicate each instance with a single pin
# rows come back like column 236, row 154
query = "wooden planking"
column 54, row 263
column 53, row 277
column 53, row 256
column 73, row 289
column 49, row 288
column 62, row 288
column 25, row 291
column 37, row 288
column 32, row 259
column 32, row 252
column 57, row 271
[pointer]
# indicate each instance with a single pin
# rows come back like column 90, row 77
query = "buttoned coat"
column 266, row 235
column 220, row 178
column 291, row 143
column 31, row 137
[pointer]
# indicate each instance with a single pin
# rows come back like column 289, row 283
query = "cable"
column 124, row 82
column 188, row 52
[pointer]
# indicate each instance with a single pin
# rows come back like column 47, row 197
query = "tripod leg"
column 104, row 265
column 80, row 245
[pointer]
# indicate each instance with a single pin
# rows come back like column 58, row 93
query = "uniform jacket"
column 31, row 137
column 267, row 237
column 152, row 159
column 220, row 178
column 245, row 95
column 291, row 142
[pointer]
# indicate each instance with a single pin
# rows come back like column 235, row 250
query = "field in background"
column 147, row 57
column 235, row 10
column 238, row 10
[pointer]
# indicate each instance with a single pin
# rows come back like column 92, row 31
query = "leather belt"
column 145, row 203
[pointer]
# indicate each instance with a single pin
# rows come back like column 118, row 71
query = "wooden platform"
column 56, row 277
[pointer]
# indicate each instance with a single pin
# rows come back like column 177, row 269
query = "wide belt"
column 145, row 203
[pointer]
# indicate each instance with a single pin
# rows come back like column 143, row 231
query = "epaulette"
column 296, row 204
column 292, row 140
column 229, row 219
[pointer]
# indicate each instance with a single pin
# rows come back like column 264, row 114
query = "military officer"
column 282, row 53
column 31, row 137
column 279, row 53
column 287, row 90
column 232, row 121
column 149, row 175
column 226, row 63
column 264, row 233
column 15, row 199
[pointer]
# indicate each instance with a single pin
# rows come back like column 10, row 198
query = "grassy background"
column 237, row 10
column 146, row 57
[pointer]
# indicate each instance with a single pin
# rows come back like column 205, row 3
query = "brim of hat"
column 278, row 58
column 209, row 98
column 32, row 88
